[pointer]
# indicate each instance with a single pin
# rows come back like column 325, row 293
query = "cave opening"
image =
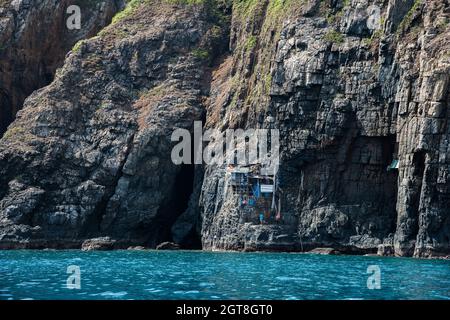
column 177, row 203
column 192, row 241
column 184, row 186
column 186, row 194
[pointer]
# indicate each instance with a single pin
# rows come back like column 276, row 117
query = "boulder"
column 98, row 244
column 385, row 250
column 167, row 246
column 137, row 248
column 325, row 251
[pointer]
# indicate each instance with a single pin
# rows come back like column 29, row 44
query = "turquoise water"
column 206, row 275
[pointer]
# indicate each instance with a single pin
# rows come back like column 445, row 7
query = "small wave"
column 113, row 294
column 187, row 292
column 283, row 278
column 207, row 284
column 27, row 283
column 152, row 290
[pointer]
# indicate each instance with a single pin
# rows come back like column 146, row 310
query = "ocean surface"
column 207, row 275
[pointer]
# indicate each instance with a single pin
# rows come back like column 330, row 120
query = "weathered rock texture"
column 34, row 40
column 98, row 244
column 347, row 100
column 89, row 155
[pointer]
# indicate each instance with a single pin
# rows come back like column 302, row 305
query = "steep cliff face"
column 351, row 85
column 34, row 40
column 349, row 97
column 89, row 155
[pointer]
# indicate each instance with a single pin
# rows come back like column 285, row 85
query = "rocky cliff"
column 352, row 86
column 34, row 40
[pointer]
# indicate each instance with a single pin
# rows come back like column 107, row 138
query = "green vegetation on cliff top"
column 132, row 5
column 275, row 6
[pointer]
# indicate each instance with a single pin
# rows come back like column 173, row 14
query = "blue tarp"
column 256, row 190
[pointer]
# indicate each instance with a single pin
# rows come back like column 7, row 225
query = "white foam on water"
column 113, row 294
column 187, row 292
column 207, row 284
